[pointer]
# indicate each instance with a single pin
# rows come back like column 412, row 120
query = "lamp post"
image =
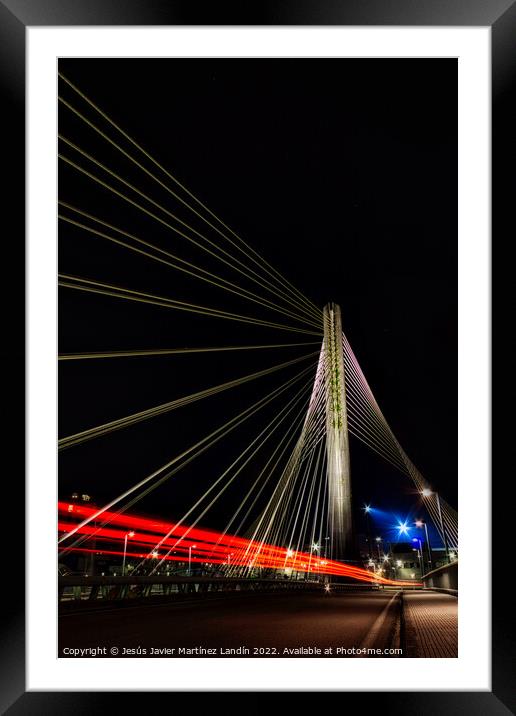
column 386, row 565
column 378, row 540
column 426, row 492
column 422, row 523
column 193, row 546
column 155, row 555
column 419, row 554
column 128, row 534
column 367, row 510
column 288, row 555
column 314, row 547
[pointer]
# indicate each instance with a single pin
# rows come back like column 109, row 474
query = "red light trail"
column 210, row 546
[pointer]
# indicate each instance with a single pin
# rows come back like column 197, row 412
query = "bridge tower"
column 337, row 442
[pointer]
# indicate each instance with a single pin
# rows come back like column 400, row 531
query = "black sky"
column 343, row 175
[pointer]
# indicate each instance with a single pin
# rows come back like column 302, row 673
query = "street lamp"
column 419, row 554
column 128, row 534
column 420, row 524
column 378, row 540
column 190, row 558
column 288, row 555
column 426, row 492
column 367, row 510
column 314, row 548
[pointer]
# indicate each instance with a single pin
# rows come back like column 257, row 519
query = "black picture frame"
column 15, row 17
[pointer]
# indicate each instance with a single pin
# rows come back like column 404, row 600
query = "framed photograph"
column 257, row 359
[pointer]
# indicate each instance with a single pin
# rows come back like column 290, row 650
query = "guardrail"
column 109, row 588
column 443, row 579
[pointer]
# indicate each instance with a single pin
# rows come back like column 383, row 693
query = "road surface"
column 265, row 624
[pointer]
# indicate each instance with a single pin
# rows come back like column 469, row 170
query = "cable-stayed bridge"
column 293, row 473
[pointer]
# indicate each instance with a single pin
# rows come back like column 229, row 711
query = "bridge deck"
column 268, row 621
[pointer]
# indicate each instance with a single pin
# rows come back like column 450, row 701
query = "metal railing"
column 110, row 588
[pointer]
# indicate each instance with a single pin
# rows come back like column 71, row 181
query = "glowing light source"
column 402, row 528
column 426, row 492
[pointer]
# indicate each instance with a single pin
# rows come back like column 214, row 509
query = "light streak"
column 211, row 546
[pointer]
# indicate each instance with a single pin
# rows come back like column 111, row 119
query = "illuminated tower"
column 337, row 443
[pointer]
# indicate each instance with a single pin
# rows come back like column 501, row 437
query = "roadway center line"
column 371, row 638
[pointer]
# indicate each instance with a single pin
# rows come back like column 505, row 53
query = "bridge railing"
column 111, row 588
column 443, row 579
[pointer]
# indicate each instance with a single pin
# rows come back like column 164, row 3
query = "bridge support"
column 337, row 443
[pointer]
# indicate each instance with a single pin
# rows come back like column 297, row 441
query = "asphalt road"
column 270, row 622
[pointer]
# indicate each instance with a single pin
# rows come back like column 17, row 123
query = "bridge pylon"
column 337, row 441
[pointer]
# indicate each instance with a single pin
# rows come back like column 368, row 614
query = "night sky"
column 343, row 175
